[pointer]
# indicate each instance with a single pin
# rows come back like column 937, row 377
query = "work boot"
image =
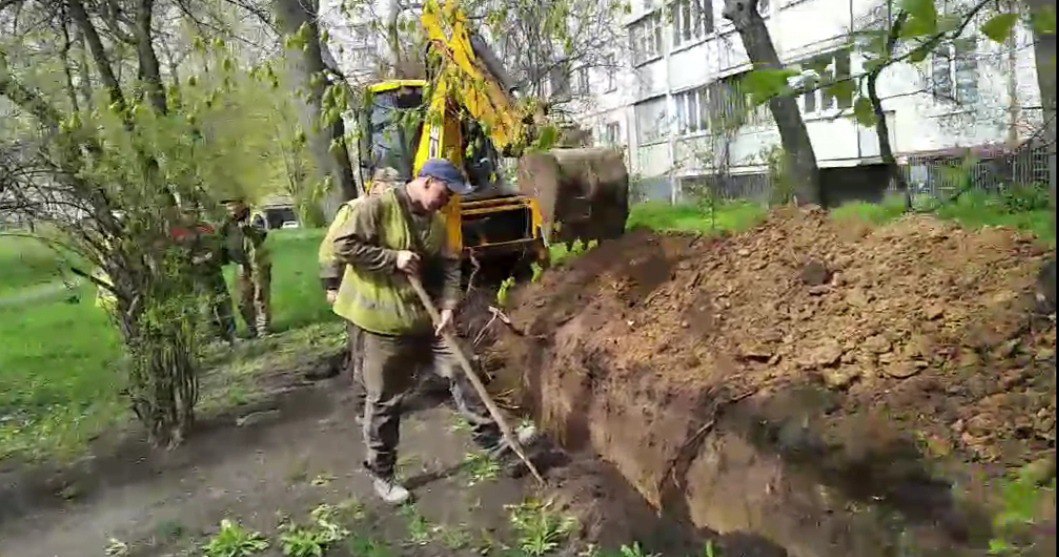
column 389, row 490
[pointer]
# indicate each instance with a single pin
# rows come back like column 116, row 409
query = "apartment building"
column 671, row 94
column 355, row 38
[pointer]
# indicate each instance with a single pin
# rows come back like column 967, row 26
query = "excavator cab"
column 495, row 228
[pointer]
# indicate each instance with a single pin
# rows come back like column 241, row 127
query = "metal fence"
column 945, row 175
column 940, row 175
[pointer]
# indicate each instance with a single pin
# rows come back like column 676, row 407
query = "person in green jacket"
column 332, row 271
column 244, row 245
column 385, row 239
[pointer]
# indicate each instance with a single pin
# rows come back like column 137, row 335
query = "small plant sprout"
column 116, row 548
column 635, row 551
column 232, row 540
column 539, row 529
column 504, row 292
column 312, row 540
column 420, row 530
column 480, row 468
column 538, row 272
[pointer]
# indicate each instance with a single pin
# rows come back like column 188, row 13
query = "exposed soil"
column 293, row 450
column 825, row 385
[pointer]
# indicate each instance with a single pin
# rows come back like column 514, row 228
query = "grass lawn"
column 26, row 263
column 663, row 217
column 972, row 210
column 59, row 377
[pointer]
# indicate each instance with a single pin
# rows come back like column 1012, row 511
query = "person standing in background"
column 244, row 245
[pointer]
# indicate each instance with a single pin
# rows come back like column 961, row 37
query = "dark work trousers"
column 389, row 368
column 354, row 363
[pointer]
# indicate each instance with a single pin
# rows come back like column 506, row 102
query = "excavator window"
column 483, row 163
column 393, row 122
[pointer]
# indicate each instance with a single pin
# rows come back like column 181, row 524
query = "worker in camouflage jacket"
column 207, row 253
column 244, row 245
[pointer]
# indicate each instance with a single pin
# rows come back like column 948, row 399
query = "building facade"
column 671, row 96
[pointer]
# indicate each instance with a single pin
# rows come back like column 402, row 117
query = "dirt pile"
column 882, row 365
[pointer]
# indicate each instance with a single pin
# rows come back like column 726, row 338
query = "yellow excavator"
column 467, row 111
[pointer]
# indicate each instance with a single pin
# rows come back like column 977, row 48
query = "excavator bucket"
column 583, row 193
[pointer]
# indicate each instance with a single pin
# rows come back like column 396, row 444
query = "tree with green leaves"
column 914, row 29
column 121, row 155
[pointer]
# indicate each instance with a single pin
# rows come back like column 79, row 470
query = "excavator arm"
column 470, row 78
column 569, row 193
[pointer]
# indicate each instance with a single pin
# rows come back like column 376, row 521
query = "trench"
column 748, row 469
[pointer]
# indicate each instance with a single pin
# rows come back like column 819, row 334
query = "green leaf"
column 922, row 18
column 765, row 83
column 999, row 27
column 920, row 9
column 1043, row 20
column 919, row 54
column 918, row 28
column 999, row 546
column 842, row 90
column 863, row 112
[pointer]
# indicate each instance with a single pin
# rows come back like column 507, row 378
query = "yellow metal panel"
column 394, row 84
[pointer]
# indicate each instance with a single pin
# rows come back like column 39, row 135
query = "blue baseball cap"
column 444, row 170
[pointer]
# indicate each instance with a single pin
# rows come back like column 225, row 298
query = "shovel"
column 465, row 364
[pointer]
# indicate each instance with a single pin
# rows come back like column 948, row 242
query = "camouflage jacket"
column 243, row 243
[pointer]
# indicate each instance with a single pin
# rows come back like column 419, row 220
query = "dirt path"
column 303, row 453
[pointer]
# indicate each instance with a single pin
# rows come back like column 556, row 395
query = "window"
column 954, row 71
column 692, row 111
column 691, row 20
column 610, row 68
column 650, row 121
column 611, row 134
column 646, row 38
column 730, row 106
column 582, row 84
column 830, row 67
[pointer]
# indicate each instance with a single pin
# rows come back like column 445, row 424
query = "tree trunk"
column 882, row 128
column 1044, row 53
column 794, row 137
column 393, row 37
column 307, row 70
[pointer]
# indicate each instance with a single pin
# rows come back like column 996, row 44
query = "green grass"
column 975, row 210
column 27, row 262
column 59, row 374
column 972, row 210
column 663, row 217
column 873, row 213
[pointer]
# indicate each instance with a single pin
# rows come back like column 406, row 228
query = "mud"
column 835, row 389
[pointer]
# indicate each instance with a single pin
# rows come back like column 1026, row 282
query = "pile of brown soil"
column 878, row 365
